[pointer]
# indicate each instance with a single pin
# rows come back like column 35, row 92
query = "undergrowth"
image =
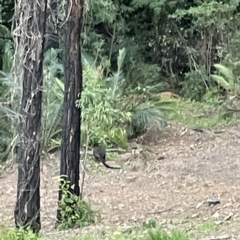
column 206, row 227
column 75, row 212
column 201, row 115
column 9, row 234
column 144, row 233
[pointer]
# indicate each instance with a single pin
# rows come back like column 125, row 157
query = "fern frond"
column 148, row 115
column 221, row 81
column 227, row 72
column 116, row 80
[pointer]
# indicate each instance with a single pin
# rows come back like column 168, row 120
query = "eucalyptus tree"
column 70, row 147
column 29, row 31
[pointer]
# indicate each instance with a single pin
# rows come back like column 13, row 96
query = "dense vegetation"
column 132, row 51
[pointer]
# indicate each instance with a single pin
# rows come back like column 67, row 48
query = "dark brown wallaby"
column 99, row 153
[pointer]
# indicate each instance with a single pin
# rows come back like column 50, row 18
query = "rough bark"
column 70, row 148
column 51, row 36
column 30, row 22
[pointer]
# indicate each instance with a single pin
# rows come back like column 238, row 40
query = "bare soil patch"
column 174, row 190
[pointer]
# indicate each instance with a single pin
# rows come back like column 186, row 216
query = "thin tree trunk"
column 30, row 22
column 70, row 148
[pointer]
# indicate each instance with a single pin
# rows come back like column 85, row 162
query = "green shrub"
column 8, row 234
column 75, row 212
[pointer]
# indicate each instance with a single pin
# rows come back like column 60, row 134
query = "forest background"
column 135, row 54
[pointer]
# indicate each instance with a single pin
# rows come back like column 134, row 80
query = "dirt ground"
column 171, row 181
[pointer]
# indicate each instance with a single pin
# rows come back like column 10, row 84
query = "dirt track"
column 196, row 167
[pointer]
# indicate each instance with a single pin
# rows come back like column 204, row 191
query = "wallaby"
column 99, row 153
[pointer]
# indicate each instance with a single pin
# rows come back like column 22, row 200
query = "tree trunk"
column 28, row 69
column 51, row 37
column 70, row 148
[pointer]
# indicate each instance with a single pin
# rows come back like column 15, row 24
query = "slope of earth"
column 171, row 181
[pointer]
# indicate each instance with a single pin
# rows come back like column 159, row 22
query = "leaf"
column 221, row 81
column 228, row 73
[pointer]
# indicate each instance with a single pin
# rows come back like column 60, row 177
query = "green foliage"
column 6, row 13
column 162, row 235
column 145, row 116
column 228, row 81
column 75, row 212
column 53, row 96
column 201, row 115
column 7, row 116
column 230, row 50
column 103, row 38
column 213, row 97
column 7, row 56
column 195, row 84
column 142, row 233
column 5, row 35
column 107, row 112
column 52, row 103
column 144, row 112
column 102, row 119
column 151, row 223
column 7, row 234
column 143, row 78
column 133, row 48
column 107, row 116
column 207, row 226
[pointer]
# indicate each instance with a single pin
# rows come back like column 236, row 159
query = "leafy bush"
column 196, row 83
column 75, row 212
column 145, row 116
column 108, row 116
column 102, row 119
column 106, row 111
